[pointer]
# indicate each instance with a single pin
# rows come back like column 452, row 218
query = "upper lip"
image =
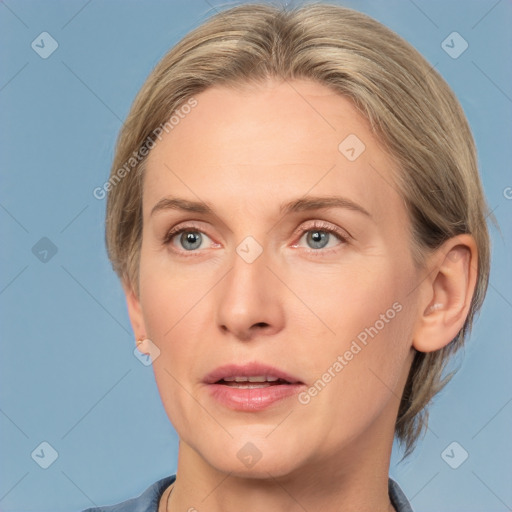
column 253, row 369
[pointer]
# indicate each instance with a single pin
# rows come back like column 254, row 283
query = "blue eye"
column 190, row 240
column 319, row 239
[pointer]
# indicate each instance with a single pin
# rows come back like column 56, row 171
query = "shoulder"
column 398, row 497
column 146, row 502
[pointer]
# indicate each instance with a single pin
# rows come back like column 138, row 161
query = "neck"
column 354, row 480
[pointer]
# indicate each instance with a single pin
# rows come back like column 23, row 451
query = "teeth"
column 259, row 378
column 254, row 385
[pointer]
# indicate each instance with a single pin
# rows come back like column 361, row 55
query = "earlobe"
column 449, row 292
column 134, row 312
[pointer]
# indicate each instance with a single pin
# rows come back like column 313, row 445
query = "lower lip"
column 252, row 399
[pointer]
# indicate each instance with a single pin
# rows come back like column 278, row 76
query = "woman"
column 296, row 216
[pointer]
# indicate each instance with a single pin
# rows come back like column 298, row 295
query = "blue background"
column 68, row 373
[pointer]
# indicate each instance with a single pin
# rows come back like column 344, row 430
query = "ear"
column 446, row 293
column 134, row 312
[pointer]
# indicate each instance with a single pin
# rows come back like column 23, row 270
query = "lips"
column 251, row 387
column 252, row 372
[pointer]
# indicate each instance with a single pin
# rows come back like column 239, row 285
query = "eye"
column 318, row 239
column 321, row 235
column 190, row 240
column 186, row 238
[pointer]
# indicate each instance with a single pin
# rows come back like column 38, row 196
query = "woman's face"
column 295, row 264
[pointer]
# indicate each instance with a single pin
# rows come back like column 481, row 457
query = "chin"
column 257, row 458
column 273, row 467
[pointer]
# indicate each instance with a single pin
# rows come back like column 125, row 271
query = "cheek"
column 366, row 318
column 171, row 307
column 344, row 300
column 177, row 309
column 169, row 299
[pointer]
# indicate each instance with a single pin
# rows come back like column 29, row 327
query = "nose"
column 249, row 300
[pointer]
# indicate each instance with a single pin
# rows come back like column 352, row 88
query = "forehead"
column 259, row 142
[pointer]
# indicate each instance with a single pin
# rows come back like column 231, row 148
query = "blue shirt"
column 148, row 501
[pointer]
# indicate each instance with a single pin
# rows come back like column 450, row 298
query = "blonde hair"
column 407, row 103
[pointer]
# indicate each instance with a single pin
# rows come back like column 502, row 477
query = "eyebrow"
column 321, row 203
column 297, row 205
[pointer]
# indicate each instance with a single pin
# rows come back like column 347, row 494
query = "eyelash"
column 319, row 225
column 315, row 226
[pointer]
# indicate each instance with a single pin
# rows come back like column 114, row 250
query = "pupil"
column 191, row 238
column 319, row 239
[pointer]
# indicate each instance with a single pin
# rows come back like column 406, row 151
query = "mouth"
column 255, row 382
column 251, row 387
column 254, row 373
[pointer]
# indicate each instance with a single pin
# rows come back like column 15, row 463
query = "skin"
column 298, row 306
